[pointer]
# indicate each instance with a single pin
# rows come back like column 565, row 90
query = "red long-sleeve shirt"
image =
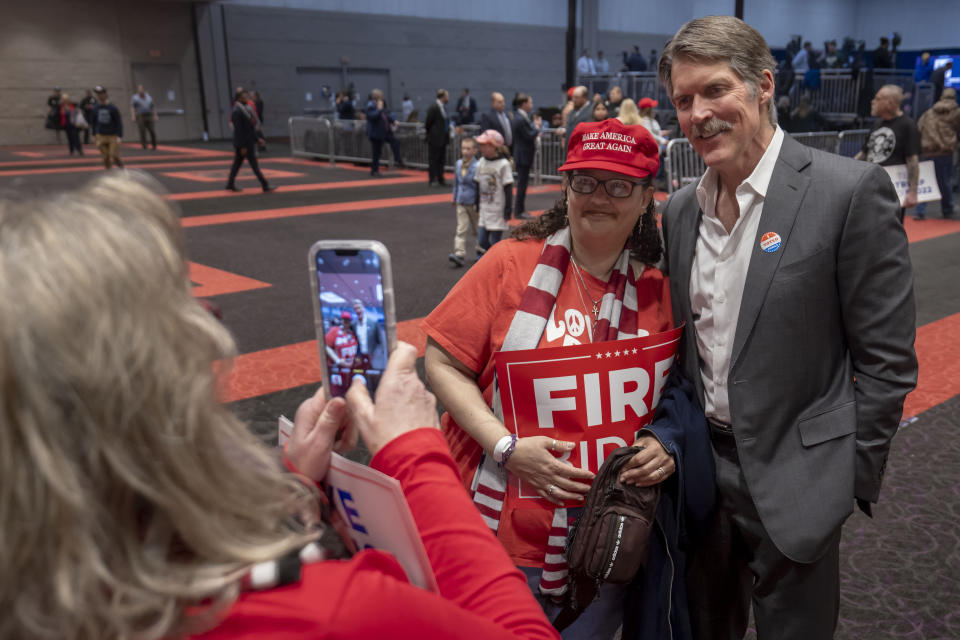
column 484, row 595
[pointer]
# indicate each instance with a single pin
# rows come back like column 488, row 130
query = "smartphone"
column 353, row 311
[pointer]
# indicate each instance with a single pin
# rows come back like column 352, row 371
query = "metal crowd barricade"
column 351, row 140
column 824, row 140
column 646, row 84
column 412, row 141
column 835, row 99
column 683, row 164
column 903, row 78
column 923, row 98
column 850, row 142
column 635, row 85
column 312, row 138
column 551, row 152
column 346, row 140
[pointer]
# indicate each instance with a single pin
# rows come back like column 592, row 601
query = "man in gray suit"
column 791, row 271
column 371, row 337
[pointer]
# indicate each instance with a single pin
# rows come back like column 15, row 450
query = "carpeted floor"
column 900, row 570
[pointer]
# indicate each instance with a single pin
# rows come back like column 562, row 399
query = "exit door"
column 163, row 83
column 317, row 87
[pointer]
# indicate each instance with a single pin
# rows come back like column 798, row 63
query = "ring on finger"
column 551, row 489
column 661, row 472
column 553, row 445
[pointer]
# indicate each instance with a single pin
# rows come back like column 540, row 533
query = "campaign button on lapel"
column 770, row 241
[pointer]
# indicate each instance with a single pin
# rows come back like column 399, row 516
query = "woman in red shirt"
column 68, row 122
column 134, row 505
column 582, row 272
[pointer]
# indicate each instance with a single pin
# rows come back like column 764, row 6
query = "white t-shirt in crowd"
column 492, row 176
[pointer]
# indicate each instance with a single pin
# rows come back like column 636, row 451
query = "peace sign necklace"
column 596, row 303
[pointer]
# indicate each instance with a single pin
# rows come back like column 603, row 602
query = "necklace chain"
column 596, row 303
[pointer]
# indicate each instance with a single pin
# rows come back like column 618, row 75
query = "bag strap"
column 583, row 592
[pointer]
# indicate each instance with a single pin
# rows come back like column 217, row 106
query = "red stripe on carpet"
column 291, row 188
column 317, row 209
column 129, row 163
column 211, row 282
column 920, row 230
column 938, row 351
column 92, row 156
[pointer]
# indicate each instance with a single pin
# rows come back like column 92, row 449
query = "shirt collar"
column 758, row 180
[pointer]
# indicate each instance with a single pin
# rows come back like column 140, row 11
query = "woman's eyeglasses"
column 615, row 187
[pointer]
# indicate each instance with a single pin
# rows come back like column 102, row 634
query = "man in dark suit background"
column 792, row 273
column 380, row 124
column 437, row 136
column 466, row 107
column 499, row 119
column 526, row 128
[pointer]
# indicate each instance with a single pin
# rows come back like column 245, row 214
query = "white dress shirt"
column 718, row 274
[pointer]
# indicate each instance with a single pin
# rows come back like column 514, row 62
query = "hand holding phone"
column 354, row 311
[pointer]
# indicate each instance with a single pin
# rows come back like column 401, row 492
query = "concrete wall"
column 548, row 13
column 267, row 44
column 44, row 43
column 500, row 45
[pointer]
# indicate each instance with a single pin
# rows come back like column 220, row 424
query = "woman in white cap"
column 601, row 239
column 647, row 119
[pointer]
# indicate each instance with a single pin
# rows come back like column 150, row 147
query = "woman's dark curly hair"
column 644, row 242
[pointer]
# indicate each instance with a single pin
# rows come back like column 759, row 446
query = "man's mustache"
column 710, row 127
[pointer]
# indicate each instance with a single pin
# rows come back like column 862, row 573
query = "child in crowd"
column 466, row 196
column 495, row 185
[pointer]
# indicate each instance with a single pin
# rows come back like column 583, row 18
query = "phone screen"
column 350, row 290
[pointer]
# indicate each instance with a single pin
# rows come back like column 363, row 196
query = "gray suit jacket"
column 823, row 351
column 376, row 340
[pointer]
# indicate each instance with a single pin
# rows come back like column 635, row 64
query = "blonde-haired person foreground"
column 629, row 114
column 133, row 504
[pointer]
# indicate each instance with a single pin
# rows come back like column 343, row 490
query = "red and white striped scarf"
column 617, row 321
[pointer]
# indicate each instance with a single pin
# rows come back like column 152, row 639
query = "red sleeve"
column 471, row 566
column 463, row 322
column 331, row 338
column 484, row 595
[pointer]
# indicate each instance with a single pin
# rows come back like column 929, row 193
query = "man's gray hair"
column 721, row 39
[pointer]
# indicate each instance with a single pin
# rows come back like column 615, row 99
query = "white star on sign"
column 634, row 349
column 599, row 355
column 616, row 353
column 608, row 354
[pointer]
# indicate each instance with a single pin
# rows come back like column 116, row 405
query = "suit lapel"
column 687, row 230
column 687, row 245
column 785, row 193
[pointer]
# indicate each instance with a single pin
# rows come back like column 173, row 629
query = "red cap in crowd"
column 613, row 146
column 647, row 103
column 570, row 92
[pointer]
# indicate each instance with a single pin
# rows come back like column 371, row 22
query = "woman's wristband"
column 504, row 449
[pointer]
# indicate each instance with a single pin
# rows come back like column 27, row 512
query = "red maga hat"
column 613, row 146
column 647, row 103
